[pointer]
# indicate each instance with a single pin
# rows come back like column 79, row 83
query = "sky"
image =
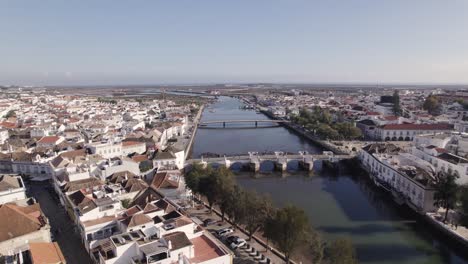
column 219, row 41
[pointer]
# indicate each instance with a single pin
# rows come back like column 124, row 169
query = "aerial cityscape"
column 216, row 132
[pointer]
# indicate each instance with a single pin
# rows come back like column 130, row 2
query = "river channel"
column 337, row 205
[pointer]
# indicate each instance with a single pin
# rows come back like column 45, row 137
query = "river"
column 337, row 205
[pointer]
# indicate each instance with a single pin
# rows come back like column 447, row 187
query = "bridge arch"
column 267, row 166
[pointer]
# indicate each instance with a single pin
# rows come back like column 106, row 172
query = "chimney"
column 169, row 245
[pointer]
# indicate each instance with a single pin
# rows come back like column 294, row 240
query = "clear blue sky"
column 193, row 41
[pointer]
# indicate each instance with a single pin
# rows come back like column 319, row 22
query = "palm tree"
column 446, row 190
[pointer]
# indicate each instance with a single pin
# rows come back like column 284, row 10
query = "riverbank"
column 195, row 122
column 338, row 205
column 257, row 242
column 298, row 131
column 457, row 235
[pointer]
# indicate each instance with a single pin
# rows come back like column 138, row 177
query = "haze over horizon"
column 183, row 42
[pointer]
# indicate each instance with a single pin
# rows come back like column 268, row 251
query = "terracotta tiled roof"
column 131, row 143
column 8, row 125
column 139, row 158
column 73, row 153
column 17, row 220
column 46, row 253
column 178, row 240
column 418, row 127
column 8, row 182
column 49, row 139
column 139, row 219
column 161, row 180
column 204, row 249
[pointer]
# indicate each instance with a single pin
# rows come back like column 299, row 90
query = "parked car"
column 239, row 242
column 231, row 239
column 209, row 221
column 224, row 232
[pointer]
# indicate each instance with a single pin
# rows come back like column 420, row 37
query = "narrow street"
column 61, row 225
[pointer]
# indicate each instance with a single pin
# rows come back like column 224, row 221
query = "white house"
column 3, row 135
column 106, row 149
column 171, row 157
column 11, row 188
column 407, row 177
column 49, row 141
column 129, row 147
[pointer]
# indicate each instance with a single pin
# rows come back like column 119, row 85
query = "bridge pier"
column 281, row 165
column 227, row 162
column 254, row 166
column 307, row 164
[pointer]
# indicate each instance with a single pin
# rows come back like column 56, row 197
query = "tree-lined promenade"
column 287, row 228
column 325, row 126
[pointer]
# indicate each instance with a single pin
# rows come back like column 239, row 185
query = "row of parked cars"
column 234, row 242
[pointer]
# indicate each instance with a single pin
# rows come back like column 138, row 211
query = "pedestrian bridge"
column 256, row 122
column 254, row 160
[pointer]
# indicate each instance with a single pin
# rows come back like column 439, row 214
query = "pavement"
column 241, row 255
column 61, row 225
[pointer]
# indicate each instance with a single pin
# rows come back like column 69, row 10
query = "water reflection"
column 337, row 204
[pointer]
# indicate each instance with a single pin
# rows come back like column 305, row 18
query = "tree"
column 341, row 251
column 292, row 228
column 192, row 178
column 317, row 247
column 269, row 228
column 224, row 187
column 446, row 190
column 207, row 186
column 432, row 105
column 146, row 166
column 258, row 208
column 236, row 209
column 396, row 104
column 126, row 203
column 10, row 113
column 327, row 132
column 348, row 131
column 464, row 204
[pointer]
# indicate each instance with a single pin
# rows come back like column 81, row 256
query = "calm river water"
column 338, row 206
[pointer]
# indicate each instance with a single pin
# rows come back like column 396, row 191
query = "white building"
column 407, row 132
column 444, row 161
column 11, row 189
column 129, row 147
column 115, row 165
column 170, row 158
column 106, row 149
column 407, row 177
column 3, row 135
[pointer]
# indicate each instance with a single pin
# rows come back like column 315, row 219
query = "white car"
column 224, row 232
column 238, row 243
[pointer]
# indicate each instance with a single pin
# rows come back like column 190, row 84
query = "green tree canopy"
column 327, row 132
column 396, row 104
column 348, row 131
column 291, row 228
column 237, row 206
column 258, row 209
column 446, row 191
column 432, row 105
column 224, row 187
column 341, row 251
